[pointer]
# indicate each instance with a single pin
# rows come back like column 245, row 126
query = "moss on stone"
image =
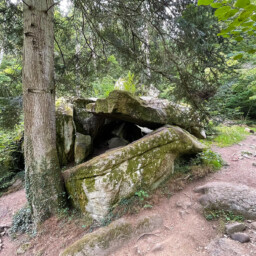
column 118, row 173
column 105, row 240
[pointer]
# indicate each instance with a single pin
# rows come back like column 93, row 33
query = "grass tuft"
column 230, row 135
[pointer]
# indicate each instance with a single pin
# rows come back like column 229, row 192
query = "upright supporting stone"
column 83, row 147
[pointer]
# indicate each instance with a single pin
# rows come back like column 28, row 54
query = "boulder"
column 107, row 240
column 235, row 227
column 86, row 123
column 83, row 147
column 145, row 111
column 238, row 198
column 65, row 129
column 97, row 185
column 240, row 237
column 225, row 247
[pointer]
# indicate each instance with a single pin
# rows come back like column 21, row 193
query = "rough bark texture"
column 43, row 180
column 238, row 198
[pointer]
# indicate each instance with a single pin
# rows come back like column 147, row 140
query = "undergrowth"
column 223, row 215
column 22, row 221
column 229, row 135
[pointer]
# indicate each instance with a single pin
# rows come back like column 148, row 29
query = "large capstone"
column 97, row 185
column 145, row 111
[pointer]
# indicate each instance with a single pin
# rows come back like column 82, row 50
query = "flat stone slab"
column 148, row 112
column 107, row 239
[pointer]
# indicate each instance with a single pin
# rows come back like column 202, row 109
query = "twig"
column 26, row 4
column 147, row 234
column 62, row 55
column 51, row 6
column 168, row 228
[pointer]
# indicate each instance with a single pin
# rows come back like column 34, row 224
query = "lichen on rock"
column 97, row 185
column 106, row 240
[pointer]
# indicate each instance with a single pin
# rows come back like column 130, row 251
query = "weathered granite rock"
column 237, row 198
column 83, row 147
column 97, row 185
column 240, row 237
column 225, row 247
column 106, row 240
column 145, row 111
column 117, row 142
column 235, row 227
column 86, row 123
column 65, row 129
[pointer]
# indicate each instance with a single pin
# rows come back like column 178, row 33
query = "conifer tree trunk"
column 42, row 171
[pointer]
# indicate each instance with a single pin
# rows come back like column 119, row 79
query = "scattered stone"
column 235, row 227
column 254, row 225
column 239, row 199
column 225, row 247
column 240, row 237
column 108, row 239
column 157, row 248
column 254, row 164
column 249, row 130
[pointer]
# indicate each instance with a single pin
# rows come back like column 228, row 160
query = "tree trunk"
column 44, row 186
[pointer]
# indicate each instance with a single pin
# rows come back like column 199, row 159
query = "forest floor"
column 185, row 230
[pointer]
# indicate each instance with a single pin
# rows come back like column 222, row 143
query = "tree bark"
column 44, row 186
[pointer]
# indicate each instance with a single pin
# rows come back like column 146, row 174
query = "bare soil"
column 186, row 232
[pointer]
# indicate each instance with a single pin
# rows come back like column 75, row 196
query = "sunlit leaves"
column 242, row 3
column 240, row 19
column 204, row 2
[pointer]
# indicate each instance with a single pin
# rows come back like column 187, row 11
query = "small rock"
column 235, row 227
column 254, row 225
column 182, row 213
column 254, row 164
column 157, row 247
column 249, row 221
column 240, row 237
column 23, row 248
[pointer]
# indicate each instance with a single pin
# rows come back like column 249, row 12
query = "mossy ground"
column 227, row 135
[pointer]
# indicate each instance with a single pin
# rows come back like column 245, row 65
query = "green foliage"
column 22, row 221
column 10, row 76
column 10, row 156
column 209, row 158
column 239, row 17
column 222, row 214
column 230, row 135
column 142, row 195
column 104, row 86
column 130, row 83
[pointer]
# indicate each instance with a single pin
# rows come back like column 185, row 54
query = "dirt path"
column 185, row 231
